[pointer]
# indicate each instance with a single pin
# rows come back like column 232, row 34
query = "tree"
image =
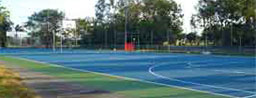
column 100, row 26
column 191, row 37
column 150, row 20
column 160, row 16
column 5, row 25
column 45, row 24
column 85, row 29
column 17, row 29
column 227, row 21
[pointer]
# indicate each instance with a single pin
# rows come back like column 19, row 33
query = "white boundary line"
column 234, row 71
column 223, row 71
column 152, row 57
column 125, row 78
column 250, row 96
column 187, row 82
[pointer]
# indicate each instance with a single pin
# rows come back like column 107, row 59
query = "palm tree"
column 17, row 29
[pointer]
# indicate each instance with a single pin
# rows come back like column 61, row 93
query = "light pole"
column 16, row 38
column 53, row 37
column 61, row 40
column 126, row 23
column 53, row 32
column 126, row 6
column 138, row 39
column 76, row 43
column 231, row 36
column 106, row 37
column 168, row 40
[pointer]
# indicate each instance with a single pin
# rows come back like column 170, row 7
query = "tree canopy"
column 45, row 24
column 230, row 22
column 154, row 22
column 150, row 19
column 5, row 25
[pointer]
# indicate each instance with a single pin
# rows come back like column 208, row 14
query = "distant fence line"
column 244, row 49
column 179, row 49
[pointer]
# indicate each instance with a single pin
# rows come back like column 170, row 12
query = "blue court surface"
column 228, row 75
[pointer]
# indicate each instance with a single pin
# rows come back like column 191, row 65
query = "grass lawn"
column 11, row 85
column 128, row 88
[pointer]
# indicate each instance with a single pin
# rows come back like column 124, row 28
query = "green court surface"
column 117, row 85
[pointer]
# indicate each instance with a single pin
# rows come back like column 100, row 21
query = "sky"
column 22, row 9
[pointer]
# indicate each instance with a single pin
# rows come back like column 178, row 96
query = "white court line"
column 107, row 59
column 225, row 56
column 250, row 96
column 151, row 57
column 214, row 64
column 28, row 53
column 236, row 72
column 120, row 58
column 193, row 83
column 126, row 78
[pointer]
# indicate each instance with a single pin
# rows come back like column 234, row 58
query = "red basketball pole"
column 126, row 31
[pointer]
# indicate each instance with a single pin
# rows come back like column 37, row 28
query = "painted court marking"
column 126, row 78
column 161, row 77
column 224, row 71
column 187, row 82
column 191, row 65
column 250, row 96
column 236, row 72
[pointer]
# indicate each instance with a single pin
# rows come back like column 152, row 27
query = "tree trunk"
column 3, row 40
